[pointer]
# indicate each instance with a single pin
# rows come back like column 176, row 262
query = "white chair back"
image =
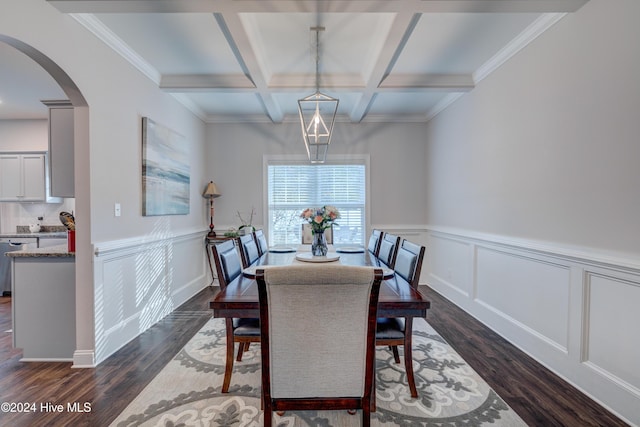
column 317, row 329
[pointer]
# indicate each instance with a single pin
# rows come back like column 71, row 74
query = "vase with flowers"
column 320, row 219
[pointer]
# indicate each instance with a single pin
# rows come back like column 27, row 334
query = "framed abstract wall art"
column 165, row 171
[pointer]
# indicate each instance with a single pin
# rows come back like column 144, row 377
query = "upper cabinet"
column 22, row 177
column 61, row 145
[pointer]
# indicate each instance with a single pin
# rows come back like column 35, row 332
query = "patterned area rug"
column 187, row 391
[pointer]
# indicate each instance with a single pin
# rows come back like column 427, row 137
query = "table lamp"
column 211, row 192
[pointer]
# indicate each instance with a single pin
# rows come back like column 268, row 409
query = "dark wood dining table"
column 397, row 298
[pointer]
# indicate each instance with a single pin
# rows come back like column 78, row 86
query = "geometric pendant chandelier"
column 317, row 115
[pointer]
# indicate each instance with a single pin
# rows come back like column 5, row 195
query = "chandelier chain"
column 317, row 29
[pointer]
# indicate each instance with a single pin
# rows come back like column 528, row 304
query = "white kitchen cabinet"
column 22, row 177
column 61, row 146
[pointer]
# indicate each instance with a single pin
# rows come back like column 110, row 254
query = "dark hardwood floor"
column 110, row 387
column 537, row 395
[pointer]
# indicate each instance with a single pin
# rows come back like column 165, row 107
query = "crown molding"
column 537, row 27
column 190, row 105
column 443, row 104
column 95, row 26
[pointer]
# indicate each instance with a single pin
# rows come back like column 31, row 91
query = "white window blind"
column 295, row 187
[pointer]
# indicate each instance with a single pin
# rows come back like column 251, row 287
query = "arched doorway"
column 85, row 336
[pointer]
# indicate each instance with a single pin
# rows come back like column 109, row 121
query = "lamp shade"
column 211, row 191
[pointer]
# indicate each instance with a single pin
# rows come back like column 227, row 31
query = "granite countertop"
column 40, row 235
column 46, row 232
column 58, row 251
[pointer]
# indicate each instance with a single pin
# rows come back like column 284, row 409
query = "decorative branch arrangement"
column 245, row 223
column 246, row 226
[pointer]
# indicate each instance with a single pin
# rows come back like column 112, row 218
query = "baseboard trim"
column 84, row 359
column 46, row 359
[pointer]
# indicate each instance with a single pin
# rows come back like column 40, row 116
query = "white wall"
column 397, row 155
column 24, row 135
column 533, row 202
column 108, row 170
column 547, row 146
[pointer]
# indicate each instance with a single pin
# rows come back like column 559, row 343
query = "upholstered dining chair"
column 242, row 330
column 261, row 242
column 374, row 242
column 307, row 235
column 388, row 249
column 318, row 338
column 393, row 332
column 248, row 249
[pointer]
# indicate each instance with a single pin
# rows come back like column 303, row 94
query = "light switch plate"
column 116, row 209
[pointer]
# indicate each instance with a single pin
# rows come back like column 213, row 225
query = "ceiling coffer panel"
column 251, row 60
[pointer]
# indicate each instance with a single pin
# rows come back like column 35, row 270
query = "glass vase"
column 319, row 244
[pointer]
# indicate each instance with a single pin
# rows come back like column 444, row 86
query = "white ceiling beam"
column 380, row 79
column 238, row 40
column 400, row 31
column 206, row 83
column 418, row 82
column 295, row 82
column 314, row 6
column 306, row 82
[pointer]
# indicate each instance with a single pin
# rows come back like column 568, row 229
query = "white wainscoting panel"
column 448, row 261
column 574, row 311
column 527, row 290
column 139, row 282
column 612, row 328
column 187, row 272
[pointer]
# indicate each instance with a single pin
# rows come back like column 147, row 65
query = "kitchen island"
column 43, row 303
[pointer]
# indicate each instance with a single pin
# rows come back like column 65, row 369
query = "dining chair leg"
column 267, row 416
column 373, row 393
column 396, row 355
column 241, row 349
column 366, row 416
column 228, row 365
column 408, row 356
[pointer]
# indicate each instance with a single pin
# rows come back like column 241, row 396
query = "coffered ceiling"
column 251, row 60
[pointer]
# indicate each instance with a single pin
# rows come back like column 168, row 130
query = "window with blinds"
column 295, row 187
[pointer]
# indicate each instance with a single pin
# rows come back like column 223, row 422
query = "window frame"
column 362, row 159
